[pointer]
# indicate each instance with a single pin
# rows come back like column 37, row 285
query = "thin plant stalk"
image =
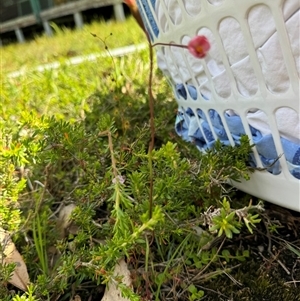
column 152, row 128
column 39, row 238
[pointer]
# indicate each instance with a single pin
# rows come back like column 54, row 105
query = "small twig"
column 231, row 277
column 111, row 149
column 294, row 281
column 208, row 265
column 293, row 270
column 271, row 253
column 268, row 166
column 57, row 297
column 97, row 224
column 197, row 277
column 57, row 210
column 87, row 265
column 170, row 218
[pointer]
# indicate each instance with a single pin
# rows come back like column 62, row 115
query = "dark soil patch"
column 266, row 276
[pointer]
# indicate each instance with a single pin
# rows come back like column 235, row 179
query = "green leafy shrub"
column 80, row 136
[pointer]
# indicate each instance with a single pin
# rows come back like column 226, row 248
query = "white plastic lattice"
column 247, row 84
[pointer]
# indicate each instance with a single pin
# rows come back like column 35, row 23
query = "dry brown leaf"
column 20, row 277
column 64, row 219
column 77, row 298
column 112, row 293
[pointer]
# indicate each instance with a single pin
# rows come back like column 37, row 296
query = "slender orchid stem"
column 170, row 44
column 152, row 128
column 198, row 46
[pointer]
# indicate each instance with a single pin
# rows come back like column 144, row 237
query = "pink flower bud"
column 130, row 3
column 199, row 46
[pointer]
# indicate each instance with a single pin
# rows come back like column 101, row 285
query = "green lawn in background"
column 67, row 43
column 64, row 92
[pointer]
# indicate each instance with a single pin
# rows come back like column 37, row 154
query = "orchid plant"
column 198, row 45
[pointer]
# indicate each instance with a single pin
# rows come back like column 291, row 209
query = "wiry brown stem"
column 152, row 128
column 170, row 44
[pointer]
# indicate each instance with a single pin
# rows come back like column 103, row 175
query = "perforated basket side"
column 268, row 82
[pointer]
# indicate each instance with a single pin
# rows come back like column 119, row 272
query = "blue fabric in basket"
column 187, row 126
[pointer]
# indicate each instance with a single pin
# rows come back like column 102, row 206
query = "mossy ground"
column 262, row 277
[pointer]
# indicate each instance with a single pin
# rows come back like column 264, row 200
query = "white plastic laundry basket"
column 250, row 78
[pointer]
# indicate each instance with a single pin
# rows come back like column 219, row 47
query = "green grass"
column 67, row 43
column 68, row 134
column 64, row 92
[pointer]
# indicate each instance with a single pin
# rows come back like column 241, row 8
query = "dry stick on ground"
column 205, row 268
column 270, row 250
